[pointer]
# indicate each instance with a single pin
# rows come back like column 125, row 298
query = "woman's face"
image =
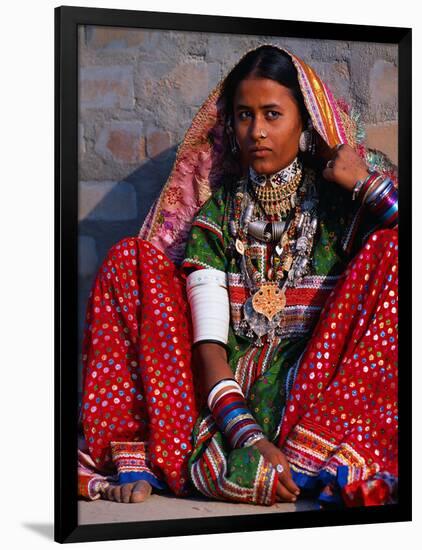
column 262, row 104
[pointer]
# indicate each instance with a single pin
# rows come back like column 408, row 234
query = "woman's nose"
column 257, row 126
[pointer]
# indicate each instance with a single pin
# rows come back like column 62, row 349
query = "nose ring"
column 263, row 134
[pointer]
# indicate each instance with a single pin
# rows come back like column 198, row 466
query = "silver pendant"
column 259, row 323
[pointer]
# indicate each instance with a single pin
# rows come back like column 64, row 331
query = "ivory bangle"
column 232, row 384
column 209, row 304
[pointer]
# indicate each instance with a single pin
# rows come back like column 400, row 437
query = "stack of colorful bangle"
column 231, row 414
column 380, row 196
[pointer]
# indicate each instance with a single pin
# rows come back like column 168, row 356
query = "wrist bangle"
column 223, row 383
column 380, row 198
column 253, row 439
column 383, row 203
column 390, row 215
column 369, row 188
column 375, row 195
column 233, row 418
column 357, row 188
column 367, row 182
column 360, row 183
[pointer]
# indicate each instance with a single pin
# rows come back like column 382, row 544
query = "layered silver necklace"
column 263, row 310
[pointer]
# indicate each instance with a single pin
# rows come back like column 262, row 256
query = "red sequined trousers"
column 340, row 428
column 138, row 406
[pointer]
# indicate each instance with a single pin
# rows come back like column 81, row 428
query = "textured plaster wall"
column 139, row 91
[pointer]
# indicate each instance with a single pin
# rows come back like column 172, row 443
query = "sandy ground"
column 170, row 507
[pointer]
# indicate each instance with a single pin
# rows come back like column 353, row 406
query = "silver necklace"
column 257, row 321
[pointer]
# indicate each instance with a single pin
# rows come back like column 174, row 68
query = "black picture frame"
column 67, row 20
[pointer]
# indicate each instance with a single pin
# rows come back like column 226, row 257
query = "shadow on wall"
column 110, row 211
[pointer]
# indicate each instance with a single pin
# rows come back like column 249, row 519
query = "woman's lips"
column 260, row 152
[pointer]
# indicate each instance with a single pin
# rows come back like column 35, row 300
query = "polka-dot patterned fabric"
column 341, row 418
column 339, row 428
column 137, row 380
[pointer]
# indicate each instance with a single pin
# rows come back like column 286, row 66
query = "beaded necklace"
column 280, row 196
column 293, row 239
column 276, row 179
column 279, row 200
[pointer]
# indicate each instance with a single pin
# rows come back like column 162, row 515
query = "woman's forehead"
column 262, row 93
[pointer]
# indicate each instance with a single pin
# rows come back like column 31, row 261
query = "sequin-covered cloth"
column 138, row 405
column 330, row 404
column 340, row 426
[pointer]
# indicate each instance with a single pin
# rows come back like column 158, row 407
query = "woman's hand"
column 287, row 490
column 344, row 166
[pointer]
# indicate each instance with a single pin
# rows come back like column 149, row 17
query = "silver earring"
column 307, row 141
column 234, row 145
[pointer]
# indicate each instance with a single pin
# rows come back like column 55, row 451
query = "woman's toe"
column 141, row 491
column 127, row 492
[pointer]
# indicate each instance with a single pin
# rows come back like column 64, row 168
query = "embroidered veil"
column 202, row 157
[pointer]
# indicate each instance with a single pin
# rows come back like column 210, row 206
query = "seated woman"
column 244, row 344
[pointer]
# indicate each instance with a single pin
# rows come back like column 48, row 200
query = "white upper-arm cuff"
column 209, row 303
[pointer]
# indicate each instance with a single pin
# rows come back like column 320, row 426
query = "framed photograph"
column 230, row 351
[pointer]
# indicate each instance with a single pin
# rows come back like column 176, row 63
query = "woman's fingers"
column 285, row 477
column 287, row 488
column 287, row 481
column 283, row 494
column 290, row 485
column 273, row 454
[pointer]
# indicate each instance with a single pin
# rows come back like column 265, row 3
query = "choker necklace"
column 278, row 178
column 282, row 195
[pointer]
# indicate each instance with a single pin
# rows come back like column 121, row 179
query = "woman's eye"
column 272, row 115
column 243, row 113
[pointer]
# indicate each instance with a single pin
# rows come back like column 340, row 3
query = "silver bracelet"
column 253, row 439
column 360, row 183
column 357, row 188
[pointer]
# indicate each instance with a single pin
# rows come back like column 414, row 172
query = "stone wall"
column 139, row 91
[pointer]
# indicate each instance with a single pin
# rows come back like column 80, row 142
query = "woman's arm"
column 376, row 193
column 210, row 361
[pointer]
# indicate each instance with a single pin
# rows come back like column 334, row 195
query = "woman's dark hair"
column 264, row 62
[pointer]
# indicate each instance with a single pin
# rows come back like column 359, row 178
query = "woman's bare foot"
column 128, row 492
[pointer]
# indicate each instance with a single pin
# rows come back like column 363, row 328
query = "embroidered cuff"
column 131, row 462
